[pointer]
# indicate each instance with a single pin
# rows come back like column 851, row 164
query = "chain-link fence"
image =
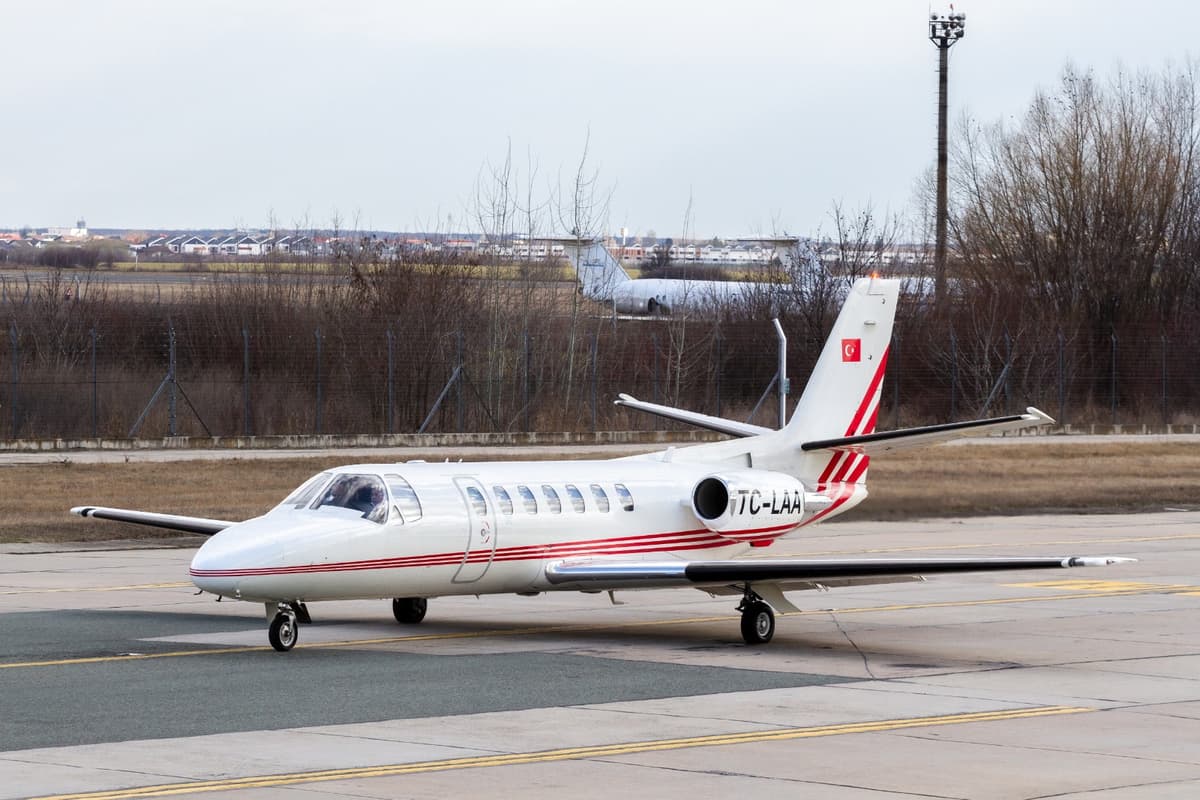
column 179, row 377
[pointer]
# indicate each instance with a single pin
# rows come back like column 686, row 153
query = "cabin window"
column 626, row 497
column 478, row 504
column 601, row 497
column 363, row 495
column 552, row 498
column 404, row 498
column 503, row 500
column 528, row 499
column 307, row 491
column 576, row 498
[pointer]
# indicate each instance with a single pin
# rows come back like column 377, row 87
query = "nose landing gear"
column 285, row 628
column 758, row 620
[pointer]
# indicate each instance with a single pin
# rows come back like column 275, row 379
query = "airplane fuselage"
column 665, row 295
column 492, row 527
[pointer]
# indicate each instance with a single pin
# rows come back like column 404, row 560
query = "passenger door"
column 481, row 531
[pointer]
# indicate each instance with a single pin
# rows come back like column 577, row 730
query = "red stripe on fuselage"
column 622, row 545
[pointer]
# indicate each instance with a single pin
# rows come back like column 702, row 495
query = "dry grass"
column 945, row 481
column 1032, row 478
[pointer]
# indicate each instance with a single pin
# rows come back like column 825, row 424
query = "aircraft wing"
column 779, row 574
column 875, row 443
column 172, row 522
column 728, row 426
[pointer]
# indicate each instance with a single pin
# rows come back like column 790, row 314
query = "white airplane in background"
column 603, row 279
column 680, row 517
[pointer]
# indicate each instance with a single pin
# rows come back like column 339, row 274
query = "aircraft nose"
column 224, row 561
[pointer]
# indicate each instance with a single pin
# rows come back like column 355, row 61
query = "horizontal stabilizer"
column 727, row 426
column 172, row 522
column 874, row 443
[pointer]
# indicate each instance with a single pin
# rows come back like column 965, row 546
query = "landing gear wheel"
column 758, row 623
column 284, row 632
column 409, row 610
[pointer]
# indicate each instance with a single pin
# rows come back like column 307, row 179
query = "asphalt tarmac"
column 117, row 680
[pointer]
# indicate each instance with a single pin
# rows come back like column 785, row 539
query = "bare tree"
column 583, row 213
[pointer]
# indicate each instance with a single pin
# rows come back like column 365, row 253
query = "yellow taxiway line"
column 1092, row 592
column 561, row 754
column 74, row 589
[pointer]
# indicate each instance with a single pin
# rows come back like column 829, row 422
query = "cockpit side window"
column 527, row 499
column 552, row 498
column 576, row 498
column 307, row 491
column 626, row 497
column 404, row 498
column 503, row 500
column 361, row 493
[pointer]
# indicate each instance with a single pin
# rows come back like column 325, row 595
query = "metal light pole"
column 944, row 31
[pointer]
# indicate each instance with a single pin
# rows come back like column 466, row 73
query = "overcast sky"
column 222, row 113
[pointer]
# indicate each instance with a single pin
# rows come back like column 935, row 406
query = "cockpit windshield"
column 304, row 494
column 364, row 494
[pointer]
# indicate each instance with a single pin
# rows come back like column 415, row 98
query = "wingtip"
column 1038, row 417
column 1097, row 561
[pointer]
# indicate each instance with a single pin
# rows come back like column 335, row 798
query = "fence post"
column 1062, row 389
column 720, row 367
column 317, row 334
column 459, row 389
column 896, row 381
column 953, row 377
column 525, row 388
column 595, row 358
column 247, row 429
column 16, row 374
column 1166, row 417
column 1008, row 361
column 172, row 390
column 391, row 385
column 95, row 391
column 1112, row 385
column 654, row 347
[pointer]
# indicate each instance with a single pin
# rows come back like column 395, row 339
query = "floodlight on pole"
column 944, row 31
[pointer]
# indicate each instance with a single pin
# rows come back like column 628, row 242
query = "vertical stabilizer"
column 842, row 395
column 598, row 272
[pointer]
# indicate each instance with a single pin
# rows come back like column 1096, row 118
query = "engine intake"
column 754, row 506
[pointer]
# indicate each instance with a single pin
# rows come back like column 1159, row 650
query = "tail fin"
column 842, row 395
column 598, row 272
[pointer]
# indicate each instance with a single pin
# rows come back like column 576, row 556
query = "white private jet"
column 603, row 279
column 680, row 517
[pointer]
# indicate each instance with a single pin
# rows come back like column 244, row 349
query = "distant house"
column 193, row 246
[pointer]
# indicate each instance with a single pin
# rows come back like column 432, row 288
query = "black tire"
column 758, row 623
column 284, row 632
column 409, row 610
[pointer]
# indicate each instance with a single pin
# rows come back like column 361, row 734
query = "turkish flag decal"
column 851, row 349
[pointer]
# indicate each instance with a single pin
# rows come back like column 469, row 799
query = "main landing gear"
column 409, row 610
column 758, row 620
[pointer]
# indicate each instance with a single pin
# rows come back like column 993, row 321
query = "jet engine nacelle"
column 749, row 505
column 633, row 297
